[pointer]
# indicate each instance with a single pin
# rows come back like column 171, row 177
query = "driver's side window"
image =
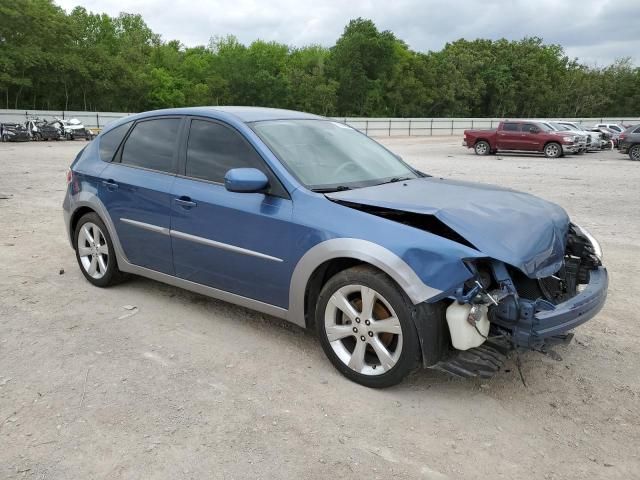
column 213, row 149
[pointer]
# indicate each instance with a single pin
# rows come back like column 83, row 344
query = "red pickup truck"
column 521, row 135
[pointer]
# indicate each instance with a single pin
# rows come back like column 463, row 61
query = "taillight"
column 69, row 176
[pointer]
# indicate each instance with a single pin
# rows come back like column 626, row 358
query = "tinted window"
column 110, row 141
column 213, row 150
column 510, row 127
column 526, row 127
column 152, row 144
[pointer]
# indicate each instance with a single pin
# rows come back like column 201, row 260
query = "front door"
column 136, row 191
column 236, row 242
column 530, row 136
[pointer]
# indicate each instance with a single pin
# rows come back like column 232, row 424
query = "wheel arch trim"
column 91, row 200
column 358, row 249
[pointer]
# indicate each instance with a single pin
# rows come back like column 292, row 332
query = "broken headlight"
column 597, row 248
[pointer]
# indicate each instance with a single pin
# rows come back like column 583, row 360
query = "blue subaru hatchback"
column 307, row 219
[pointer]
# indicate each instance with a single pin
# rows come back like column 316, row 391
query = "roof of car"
column 244, row 114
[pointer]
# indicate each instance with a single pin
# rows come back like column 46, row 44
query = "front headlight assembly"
column 597, row 248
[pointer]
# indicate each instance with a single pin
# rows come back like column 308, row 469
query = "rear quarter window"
column 110, row 141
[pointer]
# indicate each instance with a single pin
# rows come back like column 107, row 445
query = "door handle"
column 186, row 202
column 110, row 184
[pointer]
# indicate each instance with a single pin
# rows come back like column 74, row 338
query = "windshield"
column 561, row 126
column 326, row 155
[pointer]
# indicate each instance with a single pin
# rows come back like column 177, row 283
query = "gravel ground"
column 183, row 386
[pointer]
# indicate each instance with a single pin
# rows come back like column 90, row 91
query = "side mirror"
column 245, row 180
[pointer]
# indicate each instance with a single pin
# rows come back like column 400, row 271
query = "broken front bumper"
column 536, row 325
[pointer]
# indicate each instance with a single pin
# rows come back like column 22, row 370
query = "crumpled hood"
column 517, row 228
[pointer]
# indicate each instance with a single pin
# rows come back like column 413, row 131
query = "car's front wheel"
column 95, row 253
column 553, row 150
column 365, row 327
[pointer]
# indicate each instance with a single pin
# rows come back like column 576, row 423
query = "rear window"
column 110, row 141
column 152, row 144
column 511, row 127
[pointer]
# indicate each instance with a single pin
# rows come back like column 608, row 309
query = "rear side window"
column 110, row 141
column 214, row 149
column 511, row 127
column 152, row 145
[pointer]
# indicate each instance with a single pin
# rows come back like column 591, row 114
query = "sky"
column 595, row 31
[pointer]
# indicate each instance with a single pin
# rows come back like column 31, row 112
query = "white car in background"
column 595, row 141
column 612, row 126
column 584, row 140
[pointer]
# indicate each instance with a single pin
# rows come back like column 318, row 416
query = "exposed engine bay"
column 502, row 304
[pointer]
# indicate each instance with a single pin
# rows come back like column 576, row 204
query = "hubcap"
column 93, row 250
column 374, row 347
column 552, row 150
column 481, row 148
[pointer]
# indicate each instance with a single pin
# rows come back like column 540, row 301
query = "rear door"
column 508, row 138
column 136, row 190
column 236, row 242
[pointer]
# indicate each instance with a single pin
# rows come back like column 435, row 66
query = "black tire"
column 112, row 275
column 634, row 152
column 409, row 355
column 553, row 150
column 482, row 148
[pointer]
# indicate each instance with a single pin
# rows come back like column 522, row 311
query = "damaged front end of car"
column 535, row 277
column 502, row 309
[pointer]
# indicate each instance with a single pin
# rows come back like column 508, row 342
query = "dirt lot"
column 188, row 387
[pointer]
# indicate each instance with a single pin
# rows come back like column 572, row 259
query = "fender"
column 363, row 250
column 87, row 198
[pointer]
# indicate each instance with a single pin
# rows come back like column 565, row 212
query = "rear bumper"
column 565, row 316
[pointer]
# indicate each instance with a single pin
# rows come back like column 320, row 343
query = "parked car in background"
column 584, row 140
column 594, row 141
column 73, row 128
column 608, row 135
column 524, row 136
column 305, row 218
column 613, row 126
column 14, row 132
column 629, row 142
column 42, row 130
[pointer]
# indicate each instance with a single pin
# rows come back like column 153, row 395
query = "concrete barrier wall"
column 376, row 127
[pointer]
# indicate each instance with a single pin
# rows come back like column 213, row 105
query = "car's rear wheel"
column 634, row 152
column 95, row 253
column 365, row 327
column 552, row 150
column 482, row 148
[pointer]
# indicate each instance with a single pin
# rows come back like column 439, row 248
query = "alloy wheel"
column 552, row 150
column 635, row 152
column 363, row 330
column 93, row 250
